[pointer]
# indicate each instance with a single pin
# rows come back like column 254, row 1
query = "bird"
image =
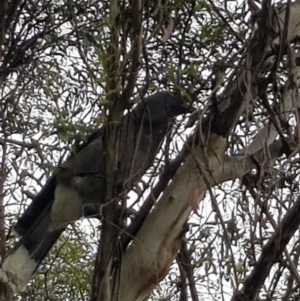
column 77, row 186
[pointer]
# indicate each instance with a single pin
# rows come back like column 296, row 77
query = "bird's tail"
column 34, row 245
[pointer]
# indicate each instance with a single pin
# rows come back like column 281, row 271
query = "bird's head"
column 163, row 106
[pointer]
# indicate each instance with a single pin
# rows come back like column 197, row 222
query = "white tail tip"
column 17, row 269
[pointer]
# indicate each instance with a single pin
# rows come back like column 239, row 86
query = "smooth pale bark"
column 148, row 258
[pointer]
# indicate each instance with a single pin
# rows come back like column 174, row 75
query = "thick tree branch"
column 147, row 259
column 136, row 49
column 101, row 285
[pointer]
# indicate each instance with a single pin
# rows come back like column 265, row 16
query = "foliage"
column 58, row 68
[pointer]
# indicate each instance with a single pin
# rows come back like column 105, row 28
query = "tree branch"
column 271, row 253
column 3, row 12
